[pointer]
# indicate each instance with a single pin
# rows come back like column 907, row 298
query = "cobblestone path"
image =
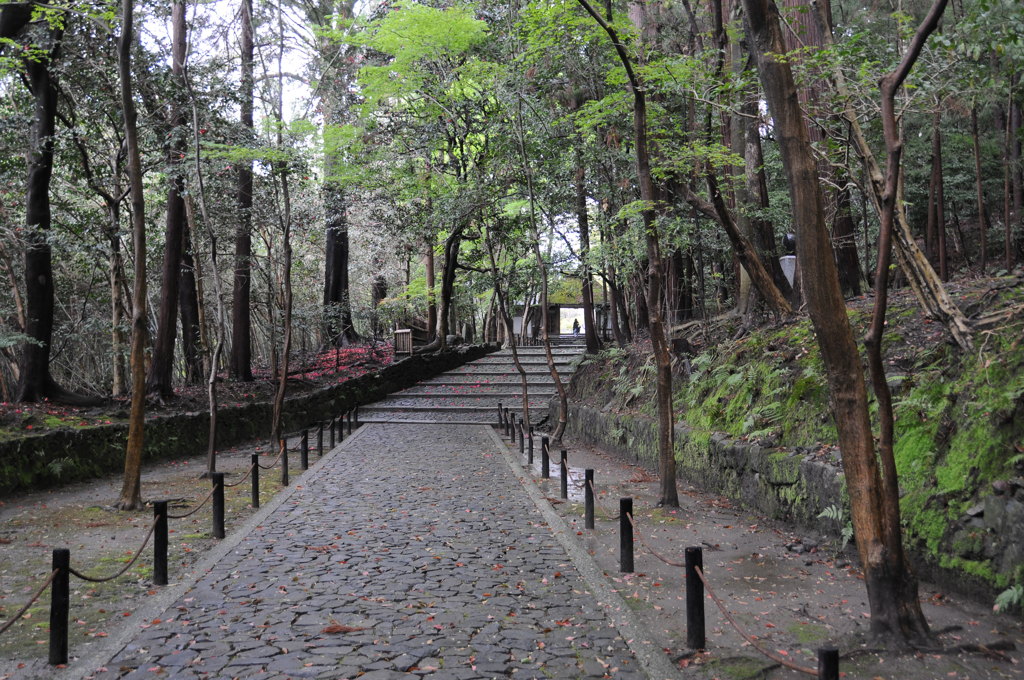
column 408, row 552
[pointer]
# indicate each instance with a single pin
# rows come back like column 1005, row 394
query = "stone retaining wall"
column 795, row 485
column 73, row 454
column 791, row 485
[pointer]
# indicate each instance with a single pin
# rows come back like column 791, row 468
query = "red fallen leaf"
column 335, row 628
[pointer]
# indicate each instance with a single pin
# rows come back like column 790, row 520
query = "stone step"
column 388, row 406
column 448, row 381
column 496, row 396
column 428, row 391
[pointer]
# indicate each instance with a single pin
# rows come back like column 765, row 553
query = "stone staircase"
column 470, row 394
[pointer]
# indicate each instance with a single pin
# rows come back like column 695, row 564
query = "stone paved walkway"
column 407, row 552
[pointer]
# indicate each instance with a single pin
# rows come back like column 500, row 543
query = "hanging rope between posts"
column 753, row 643
column 279, row 454
column 604, row 509
column 39, row 593
column 195, row 509
column 92, row 579
column 247, row 473
column 640, row 537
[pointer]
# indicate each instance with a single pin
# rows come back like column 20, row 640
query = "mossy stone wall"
column 791, row 485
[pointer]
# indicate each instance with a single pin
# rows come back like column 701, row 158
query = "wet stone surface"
column 414, row 553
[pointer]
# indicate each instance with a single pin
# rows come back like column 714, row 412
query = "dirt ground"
column 792, row 591
column 102, row 540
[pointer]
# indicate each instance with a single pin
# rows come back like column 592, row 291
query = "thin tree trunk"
column 160, row 378
column 583, row 223
column 983, row 221
column 506, row 321
column 286, row 247
column 118, row 385
column 188, row 302
column 1007, row 188
column 241, row 318
column 669, row 495
column 131, row 488
column 936, row 199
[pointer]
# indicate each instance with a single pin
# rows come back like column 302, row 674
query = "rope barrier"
column 640, row 537
column 602, row 506
column 195, row 509
column 93, row 579
column 32, row 601
column 247, row 473
column 753, row 643
column 279, row 454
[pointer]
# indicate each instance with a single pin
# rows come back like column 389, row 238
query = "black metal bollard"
column 625, row 535
column 564, row 465
column 60, row 605
column 828, row 663
column 529, row 447
column 351, row 419
column 304, row 450
column 512, row 430
column 522, row 437
column 320, row 439
column 218, row 504
column 333, row 425
column 255, row 461
column 501, row 415
column 588, row 498
column 284, row 463
column 508, row 422
column 160, row 543
column 341, row 427
column 695, row 637
column 545, row 458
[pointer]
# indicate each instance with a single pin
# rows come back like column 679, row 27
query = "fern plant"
column 837, row 514
column 1009, row 599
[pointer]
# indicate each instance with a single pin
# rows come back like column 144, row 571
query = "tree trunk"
column 583, row 222
column 1007, row 188
column 241, row 317
column 428, row 263
column 160, row 378
column 118, row 385
column 892, row 590
column 502, row 309
column 669, row 495
column 844, row 236
column 131, row 488
column 337, row 301
column 188, row 302
column 936, row 228
column 34, row 380
column 983, row 221
column 285, row 217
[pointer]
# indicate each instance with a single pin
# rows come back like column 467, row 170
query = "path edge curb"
column 652, row 660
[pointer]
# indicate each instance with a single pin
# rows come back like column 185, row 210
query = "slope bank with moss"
column 753, row 423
